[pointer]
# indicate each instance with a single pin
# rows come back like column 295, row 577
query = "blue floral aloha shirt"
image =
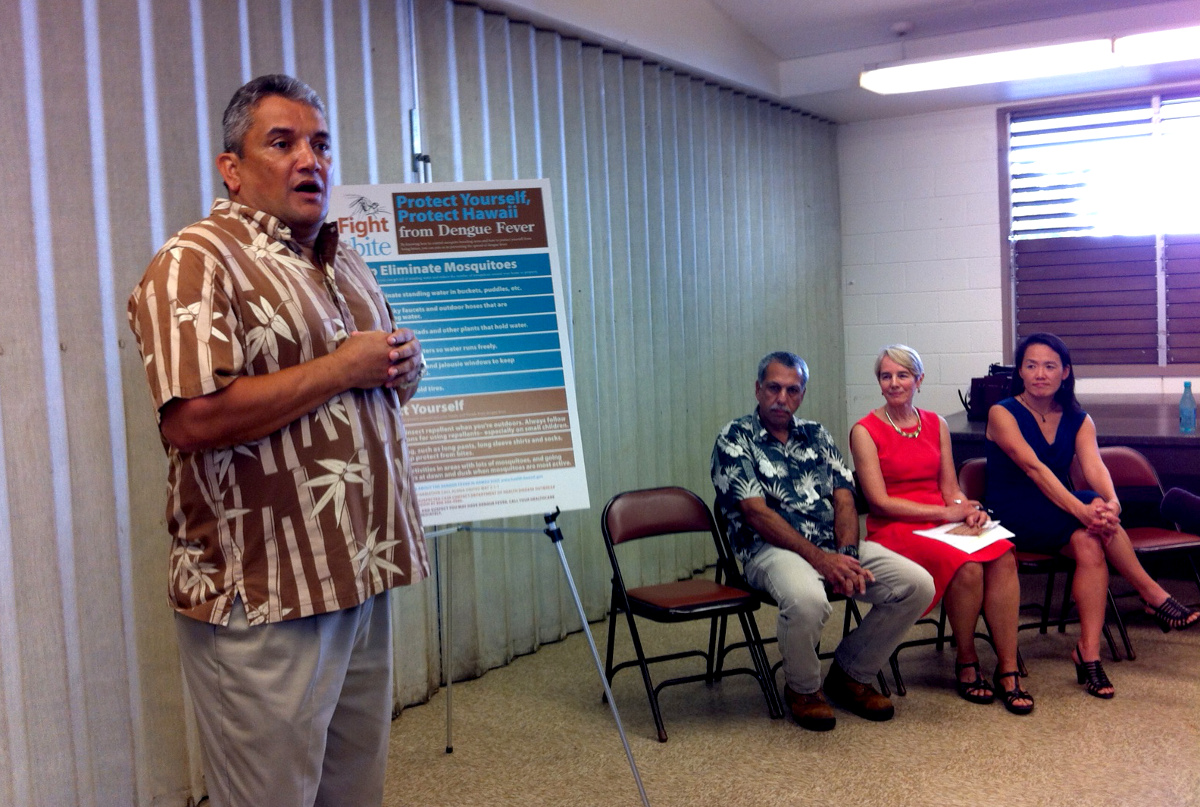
column 797, row 480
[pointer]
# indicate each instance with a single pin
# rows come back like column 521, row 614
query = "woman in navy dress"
column 1032, row 439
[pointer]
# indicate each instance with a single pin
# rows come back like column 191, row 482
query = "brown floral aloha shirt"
column 319, row 515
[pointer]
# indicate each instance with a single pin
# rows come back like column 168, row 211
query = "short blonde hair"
column 903, row 355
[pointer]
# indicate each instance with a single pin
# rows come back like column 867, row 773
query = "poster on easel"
column 472, row 268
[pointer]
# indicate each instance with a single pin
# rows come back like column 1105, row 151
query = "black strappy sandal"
column 1009, row 697
column 1172, row 614
column 976, row 691
column 1091, row 675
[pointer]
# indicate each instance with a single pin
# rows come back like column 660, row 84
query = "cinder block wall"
column 921, row 241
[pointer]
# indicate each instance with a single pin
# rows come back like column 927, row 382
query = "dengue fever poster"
column 472, row 268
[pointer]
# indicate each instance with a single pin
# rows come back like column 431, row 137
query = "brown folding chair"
column 655, row 512
column 734, row 577
column 1141, row 493
column 972, row 478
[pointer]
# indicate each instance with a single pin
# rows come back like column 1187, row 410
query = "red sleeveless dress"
column 910, row 471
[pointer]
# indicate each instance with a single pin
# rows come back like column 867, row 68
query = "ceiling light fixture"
column 1033, row 63
column 1158, row 47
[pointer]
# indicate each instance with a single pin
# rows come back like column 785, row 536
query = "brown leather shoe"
column 861, row 699
column 812, row 712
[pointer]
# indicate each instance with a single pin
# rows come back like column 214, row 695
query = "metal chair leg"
column 711, row 661
column 1129, row 654
column 1066, row 605
column 645, row 668
column 759, row 656
column 901, row 690
column 612, row 635
column 1051, row 576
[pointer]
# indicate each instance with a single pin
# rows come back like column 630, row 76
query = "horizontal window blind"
column 1099, row 294
column 1181, row 258
column 1064, row 166
column 1105, row 211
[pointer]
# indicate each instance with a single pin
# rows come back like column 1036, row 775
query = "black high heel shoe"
column 1091, row 675
column 1009, row 697
column 1173, row 614
column 975, row 691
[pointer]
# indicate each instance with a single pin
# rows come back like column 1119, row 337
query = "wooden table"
column 1149, row 423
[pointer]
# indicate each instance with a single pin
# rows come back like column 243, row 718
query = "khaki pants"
column 901, row 592
column 293, row 714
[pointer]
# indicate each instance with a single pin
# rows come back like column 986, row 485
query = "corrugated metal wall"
column 698, row 229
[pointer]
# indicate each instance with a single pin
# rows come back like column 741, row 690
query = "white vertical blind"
column 698, row 230
column 112, row 119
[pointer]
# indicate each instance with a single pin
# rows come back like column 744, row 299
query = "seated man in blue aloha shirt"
column 788, row 499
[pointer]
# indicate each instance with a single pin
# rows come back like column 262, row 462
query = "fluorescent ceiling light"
column 1033, row 63
column 1158, row 47
column 990, row 68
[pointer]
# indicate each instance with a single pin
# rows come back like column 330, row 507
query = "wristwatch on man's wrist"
column 421, row 369
column 850, row 550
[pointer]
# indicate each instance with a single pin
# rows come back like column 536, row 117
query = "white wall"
column 921, row 250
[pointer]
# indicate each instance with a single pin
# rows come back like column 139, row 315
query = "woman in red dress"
column 906, row 471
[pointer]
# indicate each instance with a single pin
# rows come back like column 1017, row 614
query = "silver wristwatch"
column 420, row 374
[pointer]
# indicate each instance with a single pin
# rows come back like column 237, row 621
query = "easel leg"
column 443, row 563
column 556, row 537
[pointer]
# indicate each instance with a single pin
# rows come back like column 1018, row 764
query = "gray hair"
column 789, row 360
column 903, row 355
column 239, row 115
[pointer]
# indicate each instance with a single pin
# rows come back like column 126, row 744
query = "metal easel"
column 553, row 531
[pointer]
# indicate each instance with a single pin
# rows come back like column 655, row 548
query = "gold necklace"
column 900, row 431
column 1031, row 408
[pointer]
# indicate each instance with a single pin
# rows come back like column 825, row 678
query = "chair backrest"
column 1137, row 484
column 655, row 511
column 972, row 478
column 650, row 512
column 861, row 505
column 728, row 570
column 1129, row 468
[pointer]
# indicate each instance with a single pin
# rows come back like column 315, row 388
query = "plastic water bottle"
column 1187, row 410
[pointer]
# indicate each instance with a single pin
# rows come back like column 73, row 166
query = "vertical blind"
column 1103, row 216
column 699, row 231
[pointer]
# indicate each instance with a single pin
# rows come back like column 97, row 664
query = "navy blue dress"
column 1039, row 524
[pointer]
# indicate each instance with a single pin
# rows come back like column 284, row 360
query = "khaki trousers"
column 901, row 592
column 296, row 713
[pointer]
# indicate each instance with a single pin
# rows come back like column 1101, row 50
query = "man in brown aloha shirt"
column 279, row 374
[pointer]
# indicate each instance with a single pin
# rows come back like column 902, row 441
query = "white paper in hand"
column 992, row 533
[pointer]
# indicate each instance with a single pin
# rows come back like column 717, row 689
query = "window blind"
column 1063, row 166
column 1181, row 256
column 1099, row 294
column 1105, row 211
